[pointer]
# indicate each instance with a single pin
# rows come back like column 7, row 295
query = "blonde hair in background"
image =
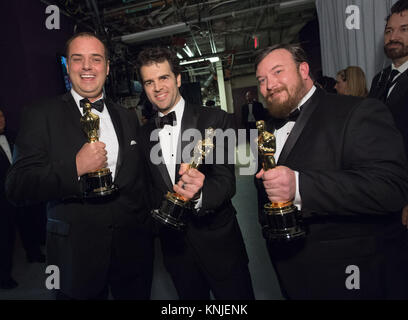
column 355, row 81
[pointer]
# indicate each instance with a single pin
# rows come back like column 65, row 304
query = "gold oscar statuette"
column 98, row 183
column 283, row 218
column 174, row 207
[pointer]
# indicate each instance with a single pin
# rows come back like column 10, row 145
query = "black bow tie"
column 169, row 119
column 279, row 123
column 97, row 105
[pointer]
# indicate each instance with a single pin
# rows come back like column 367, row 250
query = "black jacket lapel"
column 189, row 121
column 3, row 153
column 161, row 167
column 307, row 110
column 379, row 87
column 73, row 114
column 399, row 90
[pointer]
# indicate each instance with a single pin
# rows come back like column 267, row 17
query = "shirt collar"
column 178, row 109
column 306, row 97
column 402, row 68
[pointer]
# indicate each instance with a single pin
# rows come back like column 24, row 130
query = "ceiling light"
column 188, row 52
column 179, row 56
column 155, row 33
column 211, row 59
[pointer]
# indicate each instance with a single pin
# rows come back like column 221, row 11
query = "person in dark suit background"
column 7, row 212
column 99, row 244
column 251, row 112
column 343, row 164
column 391, row 84
column 210, row 254
column 14, row 218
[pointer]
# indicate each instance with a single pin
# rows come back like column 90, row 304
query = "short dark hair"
column 298, row 54
column 398, row 7
column 152, row 55
column 89, row 35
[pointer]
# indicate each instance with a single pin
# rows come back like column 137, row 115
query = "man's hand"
column 405, row 216
column 91, row 157
column 279, row 183
column 190, row 183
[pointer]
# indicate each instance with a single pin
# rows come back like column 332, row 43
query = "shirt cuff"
column 298, row 201
column 199, row 202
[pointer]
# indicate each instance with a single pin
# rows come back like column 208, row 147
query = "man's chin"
column 395, row 53
column 278, row 110
column 163, row 109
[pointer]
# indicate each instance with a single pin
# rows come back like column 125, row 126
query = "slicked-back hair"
column 298, row 54
column 153, row 55
column 398, row 7
column 88, row 35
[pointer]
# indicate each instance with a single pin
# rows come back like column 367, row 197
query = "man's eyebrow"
column 271, row 69
column 275, row 67
column 403, row 25
column 80, row 55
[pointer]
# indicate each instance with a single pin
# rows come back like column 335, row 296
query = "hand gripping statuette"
column 284, row 221
column 98, row 183
column 175, row 206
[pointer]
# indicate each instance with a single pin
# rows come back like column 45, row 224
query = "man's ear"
column 178, row 79
column 107, row 67
column 304, row 70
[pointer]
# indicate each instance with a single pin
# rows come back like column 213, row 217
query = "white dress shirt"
column 169, row 138
column 251, row 117
column 6, row 147
column 107, row 133
column 282, row 135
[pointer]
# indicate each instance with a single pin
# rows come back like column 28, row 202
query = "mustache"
column 393, row 42
column 271, row 93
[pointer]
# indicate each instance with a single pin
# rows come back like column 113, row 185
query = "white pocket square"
column 133, row 142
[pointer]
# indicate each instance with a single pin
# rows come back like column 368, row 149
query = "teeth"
column 87, row 76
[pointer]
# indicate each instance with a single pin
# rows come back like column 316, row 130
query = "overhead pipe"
column 282, row 5
column 132, row 8
column 154, row 33
column 184, row 27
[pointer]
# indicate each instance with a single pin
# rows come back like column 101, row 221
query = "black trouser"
column 31, row 223
column 7, row 239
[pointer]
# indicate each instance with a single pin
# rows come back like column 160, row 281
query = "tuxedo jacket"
column 212, row 234
column 397, row 101
column 83, row 236
column 353, row 184
column 7, row 216
column 4, row 166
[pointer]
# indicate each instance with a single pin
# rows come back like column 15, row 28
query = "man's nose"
column 271, row 82
column 157, row 86
column 395, row 35
column 87, row 64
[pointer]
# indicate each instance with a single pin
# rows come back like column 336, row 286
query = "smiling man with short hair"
column 103, row 244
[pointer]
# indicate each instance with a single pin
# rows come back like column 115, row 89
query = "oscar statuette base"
column 98, row 184
column 172, row 212
column 284, row 221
